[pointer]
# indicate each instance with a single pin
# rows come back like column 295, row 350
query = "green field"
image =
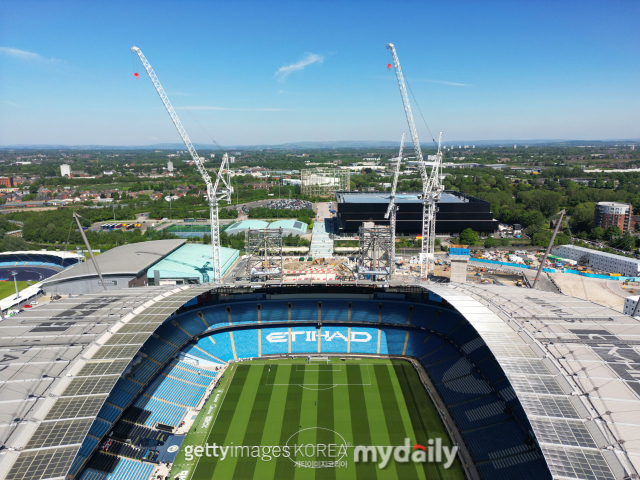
column 8, row 288
column 347, row 403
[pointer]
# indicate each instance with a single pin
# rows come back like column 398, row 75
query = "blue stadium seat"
column 334, row 339
column 246, row 342
column 364, row 339
column 395, row 312
column 392, row 341
column 274, row 311
column 99, row 427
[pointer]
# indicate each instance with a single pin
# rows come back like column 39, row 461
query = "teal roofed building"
column 290, row 227
column 244, row 225
column 191, row 263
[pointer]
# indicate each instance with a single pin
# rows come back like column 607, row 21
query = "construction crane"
column 393, row 208
column 431, row 185
column 214, row 194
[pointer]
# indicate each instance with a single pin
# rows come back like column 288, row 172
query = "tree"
column 612, row 231
column 489, row 242
column 582, row 217
column 469, row 237
column 115, row 196
column 597, row 233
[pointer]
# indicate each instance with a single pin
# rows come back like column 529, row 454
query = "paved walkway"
column 321, row 242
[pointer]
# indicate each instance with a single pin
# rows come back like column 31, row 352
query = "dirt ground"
column 593, row 289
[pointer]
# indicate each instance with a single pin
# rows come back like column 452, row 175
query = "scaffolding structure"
column 324, row 182
column 263, row 247
column 375, row 258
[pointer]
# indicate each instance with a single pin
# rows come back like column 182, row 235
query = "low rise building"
column 606, row 262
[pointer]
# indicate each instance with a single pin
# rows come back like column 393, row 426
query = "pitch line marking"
column 216, row 417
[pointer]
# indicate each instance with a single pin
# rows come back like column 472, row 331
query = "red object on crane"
column 388, row 66
column 136, row 75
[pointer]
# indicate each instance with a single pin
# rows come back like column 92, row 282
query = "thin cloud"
column 14, row 104
column 310, row 58
column 207, row 107
column 443, row 82
column 24, row 55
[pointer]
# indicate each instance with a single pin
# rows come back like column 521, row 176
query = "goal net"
column 312, row 360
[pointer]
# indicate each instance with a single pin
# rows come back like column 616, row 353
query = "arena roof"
column 573, row 365
column 245, row 225
column 412, row 197
column 128, row 259
column 293, row 227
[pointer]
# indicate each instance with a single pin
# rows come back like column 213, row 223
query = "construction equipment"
column 393, row 208
column 431, row 184
column 546, row 254
column 213, row 194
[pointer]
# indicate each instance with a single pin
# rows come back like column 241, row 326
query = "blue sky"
column 271, row 72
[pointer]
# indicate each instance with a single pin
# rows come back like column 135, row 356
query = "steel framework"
column 215, row 191
column 393, row 208
column 263, row 249
column 324, row 182
column 431, row 185
column 375, row 256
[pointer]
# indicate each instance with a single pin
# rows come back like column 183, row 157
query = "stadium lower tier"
column 161, row 389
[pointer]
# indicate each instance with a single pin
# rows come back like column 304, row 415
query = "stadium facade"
column 456, row 212
column 548, row 379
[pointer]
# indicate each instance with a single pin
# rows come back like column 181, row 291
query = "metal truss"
column 375, row 259
column 263, row 249
column 324, row 182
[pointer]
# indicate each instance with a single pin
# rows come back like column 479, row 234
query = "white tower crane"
column 393, row 208
column 431, row 186
column 213, row 194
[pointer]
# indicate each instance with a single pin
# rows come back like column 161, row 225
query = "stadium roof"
column 59, row 363
column 128, row 259
column 572, row 363
column 192, row 261
column 293, row 227
column 45, row 252
column 245, row 225
column 356, row 197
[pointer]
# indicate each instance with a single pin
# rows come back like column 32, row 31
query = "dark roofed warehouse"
column 456, row 212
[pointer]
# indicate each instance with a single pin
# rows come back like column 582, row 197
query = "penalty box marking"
column 305, row 384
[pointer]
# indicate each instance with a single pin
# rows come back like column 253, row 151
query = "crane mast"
column 393, row 208
column 431, row 188
column 213, row 195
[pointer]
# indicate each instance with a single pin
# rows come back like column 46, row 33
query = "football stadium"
column 200, row 380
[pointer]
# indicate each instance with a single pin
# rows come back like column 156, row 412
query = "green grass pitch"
column 286, row 402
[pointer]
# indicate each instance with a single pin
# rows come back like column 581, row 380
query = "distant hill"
column 325, row 145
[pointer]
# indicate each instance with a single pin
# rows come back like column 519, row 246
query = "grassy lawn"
column 8, row 288
column 288, row 402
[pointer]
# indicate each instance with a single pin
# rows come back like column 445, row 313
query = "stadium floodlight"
column 14, row 273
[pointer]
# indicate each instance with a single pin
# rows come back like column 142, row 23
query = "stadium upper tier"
column 39, row 257
column 538, row 384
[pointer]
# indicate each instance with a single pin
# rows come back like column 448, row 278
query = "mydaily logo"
column 312, row 336
column 333, row 455
column 432, row 453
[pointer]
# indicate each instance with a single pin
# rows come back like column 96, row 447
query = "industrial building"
column 456, row 211
column 607, row 262
column 138, row 265
column 613, row 214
